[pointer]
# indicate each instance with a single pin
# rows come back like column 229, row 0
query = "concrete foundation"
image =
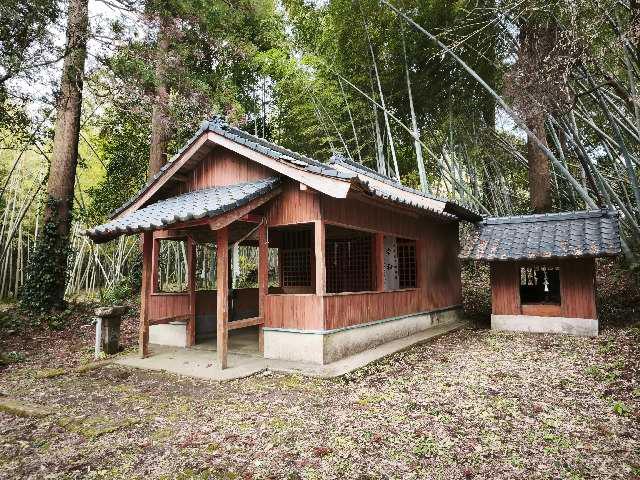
column 171, row 334
column 326, row 346
column 526, row 323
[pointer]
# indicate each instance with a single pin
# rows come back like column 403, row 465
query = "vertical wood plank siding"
column 293, row 206
column 165, row 305
column 577, row 290
column 505, row 288
column 438, row 267
column 224, row 167
column 303, row 311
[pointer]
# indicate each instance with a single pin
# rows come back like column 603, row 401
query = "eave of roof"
column 396, row 191
column 196, row 205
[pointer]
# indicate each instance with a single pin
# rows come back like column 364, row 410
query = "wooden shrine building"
column 543, row 268
column 340, row 258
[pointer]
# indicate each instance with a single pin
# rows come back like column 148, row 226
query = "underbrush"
column 618, row 294
column 476, row 293
column 64, row 338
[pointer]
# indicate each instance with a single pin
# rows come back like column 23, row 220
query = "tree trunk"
column 62, row 172
column 537, row 40
column 160, row 131
column 539, row 172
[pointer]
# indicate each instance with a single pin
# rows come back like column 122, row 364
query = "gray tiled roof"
column 592, row 233
column 189, row 206
column 221, row 127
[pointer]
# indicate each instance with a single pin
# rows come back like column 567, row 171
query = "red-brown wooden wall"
column 224, row 167
column 437, row 249
column 577, row 290
column 439, row 283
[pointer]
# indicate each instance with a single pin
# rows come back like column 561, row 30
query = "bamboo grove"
column 479, row 101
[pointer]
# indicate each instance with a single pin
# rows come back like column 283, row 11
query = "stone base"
column 326, row 346
column 170, row 334
column 526, row 323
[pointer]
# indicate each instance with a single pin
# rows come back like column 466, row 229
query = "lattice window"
column 407, row 277
column 172, row 266
column 349, row 264
column 540, row 284
column 296, row 258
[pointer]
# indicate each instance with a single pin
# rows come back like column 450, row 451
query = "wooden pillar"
column 222, row 282
column 378, row 260
column 191, row 271
column 320, row 268
column 145, row 292
column 263, row 279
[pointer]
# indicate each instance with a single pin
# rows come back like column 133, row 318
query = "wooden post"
column 320, row 269
column 378, row 252
column 263, row 279
column 145, row 291
column 222, row 281
column 191, row 271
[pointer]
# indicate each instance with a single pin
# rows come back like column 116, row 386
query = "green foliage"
column 426, row 447
column 620, row 408
column 46, row 275
column 57, row 320
column 11, row 357
column 123, row 145
column 117, row 294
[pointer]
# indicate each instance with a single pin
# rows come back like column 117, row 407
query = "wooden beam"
column 320, row 268
column 155, row 253
column 245, row 322
column 222, row 281
column 165, row 320
column 378, row 252
column 263, row 278
column 170, row 234
column 147, row 258
column 191, row 271
column 252, row 218
column 228, row 218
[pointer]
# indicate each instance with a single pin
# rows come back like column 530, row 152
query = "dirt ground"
column 472, row 404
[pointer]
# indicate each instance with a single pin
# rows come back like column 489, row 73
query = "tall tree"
column 47, row 279
column 160, row 119
column 537, row 40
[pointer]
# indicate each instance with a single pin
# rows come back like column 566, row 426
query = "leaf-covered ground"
column 472, row 404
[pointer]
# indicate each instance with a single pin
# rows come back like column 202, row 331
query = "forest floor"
column 471, row 404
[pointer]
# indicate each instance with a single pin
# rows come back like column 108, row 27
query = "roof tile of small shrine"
column 592, row 233
column 195, row 205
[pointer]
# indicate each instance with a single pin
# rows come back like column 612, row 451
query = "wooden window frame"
column 163, row 236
